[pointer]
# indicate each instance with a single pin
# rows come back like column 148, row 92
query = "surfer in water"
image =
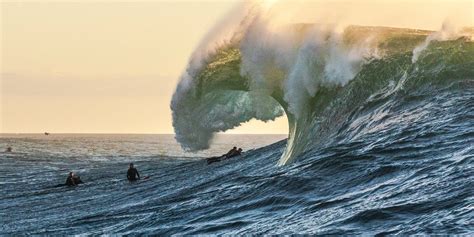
column 73, row 180
column 232, row 153
column 9, row 149
column 132, row 173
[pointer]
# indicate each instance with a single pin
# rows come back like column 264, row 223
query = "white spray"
column 447, row 32
column 277, row 57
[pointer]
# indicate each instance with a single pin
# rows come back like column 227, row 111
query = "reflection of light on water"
column 162, row 153
column 110, row 147
column 380, row 120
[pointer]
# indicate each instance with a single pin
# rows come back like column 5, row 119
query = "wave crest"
column 317, row 74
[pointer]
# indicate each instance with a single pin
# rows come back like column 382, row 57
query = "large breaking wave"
column 320, row 75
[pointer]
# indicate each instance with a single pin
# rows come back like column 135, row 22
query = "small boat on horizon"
column 46, row 133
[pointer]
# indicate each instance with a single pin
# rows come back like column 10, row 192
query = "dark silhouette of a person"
column 132, row 173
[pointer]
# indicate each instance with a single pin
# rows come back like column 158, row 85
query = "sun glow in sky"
column 110, row 66
column 98, row 66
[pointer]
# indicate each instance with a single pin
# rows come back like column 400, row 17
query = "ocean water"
column 381, row 141
column 381, row 131
column 323, row 80
column 414, row 182
column 32, row 202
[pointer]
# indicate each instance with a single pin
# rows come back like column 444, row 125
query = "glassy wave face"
column 334, row 86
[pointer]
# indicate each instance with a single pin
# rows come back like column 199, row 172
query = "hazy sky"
column 111, row 67
column 102, row 67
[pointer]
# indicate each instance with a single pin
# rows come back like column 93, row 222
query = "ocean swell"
column 319, row 75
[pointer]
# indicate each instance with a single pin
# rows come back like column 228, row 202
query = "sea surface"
column 380, row 141
column 381, row 130
column 419, row 184
column 32, row 202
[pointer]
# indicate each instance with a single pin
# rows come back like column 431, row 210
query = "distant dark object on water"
column 9, row 149
column 73, row 180
column 46, row 133
column 132, row 173
column 232, row 153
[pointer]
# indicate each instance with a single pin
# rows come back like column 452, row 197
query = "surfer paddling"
column 232, row 153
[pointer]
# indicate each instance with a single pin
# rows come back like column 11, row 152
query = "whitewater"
column 381, row 121
column 319, row 75
column 380, row 141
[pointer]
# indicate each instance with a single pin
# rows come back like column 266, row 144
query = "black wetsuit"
column 132, row 174
column 73, row 181
column 233, row 154
column 230, row 154
column 70, row 181
column 77, row 180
